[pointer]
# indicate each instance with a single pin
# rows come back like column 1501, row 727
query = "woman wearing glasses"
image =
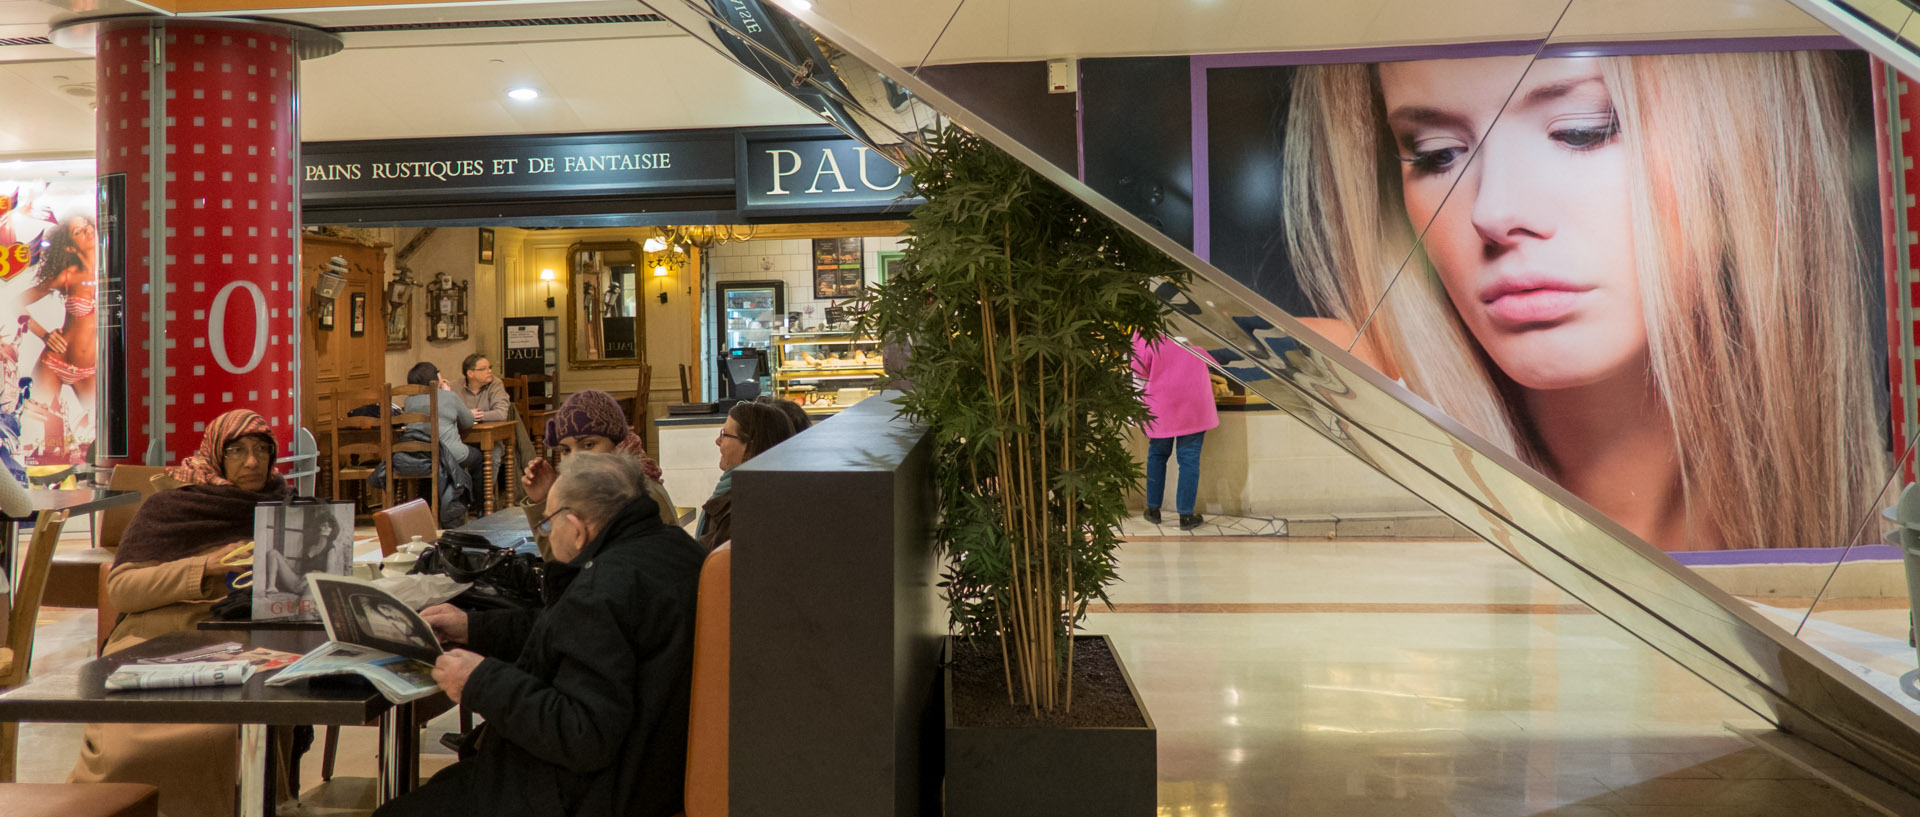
column 750, row 430
column 166, row 576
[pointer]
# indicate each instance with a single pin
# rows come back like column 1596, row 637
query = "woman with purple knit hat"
column 589, row 420
column 1179, row 395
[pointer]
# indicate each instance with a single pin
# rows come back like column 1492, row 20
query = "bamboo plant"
column 1020, row 304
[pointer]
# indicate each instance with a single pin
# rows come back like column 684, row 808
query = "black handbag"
column 500, row 577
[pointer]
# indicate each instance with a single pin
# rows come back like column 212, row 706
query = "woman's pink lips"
column 1519, row 303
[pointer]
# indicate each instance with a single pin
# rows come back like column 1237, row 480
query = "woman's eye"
column 1433, row 160
column 1587, row 136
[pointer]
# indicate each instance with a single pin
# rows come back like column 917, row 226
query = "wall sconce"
column 546, row 279
column 666, row 259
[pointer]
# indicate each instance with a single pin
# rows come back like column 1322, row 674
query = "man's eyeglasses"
column 239, row 451
column 545, row 526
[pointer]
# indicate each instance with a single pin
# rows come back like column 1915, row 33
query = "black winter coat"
column 587, row 710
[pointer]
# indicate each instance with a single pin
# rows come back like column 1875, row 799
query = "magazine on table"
column 223, row 664
column 370, row 634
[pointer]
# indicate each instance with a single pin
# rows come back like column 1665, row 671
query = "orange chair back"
column 707, row 721
column 397, row 526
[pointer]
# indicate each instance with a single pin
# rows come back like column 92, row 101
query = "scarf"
column 207, row 465
column 193, row 519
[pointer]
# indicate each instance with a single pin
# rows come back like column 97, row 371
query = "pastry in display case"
column 826, row 370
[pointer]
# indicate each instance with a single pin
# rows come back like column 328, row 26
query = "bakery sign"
column 808, row 172
column 400, row 171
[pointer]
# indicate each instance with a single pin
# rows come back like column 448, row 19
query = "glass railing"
column 1605, row 283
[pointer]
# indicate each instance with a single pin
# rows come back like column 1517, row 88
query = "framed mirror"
column 605, row 326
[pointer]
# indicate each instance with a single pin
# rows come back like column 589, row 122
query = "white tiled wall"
column 789, row 260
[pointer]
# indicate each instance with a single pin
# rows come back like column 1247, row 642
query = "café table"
column 486, row 436
column 509, row 526
column 72, row 500
column 77, row 694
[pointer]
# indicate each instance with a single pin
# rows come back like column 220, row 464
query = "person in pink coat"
column 1179, row 395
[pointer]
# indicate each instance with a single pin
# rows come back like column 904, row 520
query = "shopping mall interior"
column 1557, row 365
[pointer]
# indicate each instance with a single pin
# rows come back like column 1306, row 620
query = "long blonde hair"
column 1749, row 268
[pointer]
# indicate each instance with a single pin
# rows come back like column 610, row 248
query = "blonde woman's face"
column 1530, row 226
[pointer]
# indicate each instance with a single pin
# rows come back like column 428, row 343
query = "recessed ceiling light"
column 524, row 94
column 800, row 5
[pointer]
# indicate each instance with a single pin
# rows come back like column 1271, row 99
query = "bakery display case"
column 826, row 371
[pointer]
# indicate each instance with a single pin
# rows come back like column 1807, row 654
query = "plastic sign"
column 15, row 258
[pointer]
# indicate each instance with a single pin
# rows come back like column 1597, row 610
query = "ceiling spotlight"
column 523, row 94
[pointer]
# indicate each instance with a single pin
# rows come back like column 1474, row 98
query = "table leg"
column 10, row 530
column 399, row 753
column 513, row 476
column 486, row 475
column 255, row 786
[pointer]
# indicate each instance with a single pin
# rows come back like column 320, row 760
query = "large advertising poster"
column 49, row 346
column 1654, row 278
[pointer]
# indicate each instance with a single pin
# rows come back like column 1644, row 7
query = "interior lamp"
column 546, row 279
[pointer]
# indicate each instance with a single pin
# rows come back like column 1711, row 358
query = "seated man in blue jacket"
column 586, row 702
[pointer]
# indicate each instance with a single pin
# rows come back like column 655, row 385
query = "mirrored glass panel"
column 604, row 321
column 1600, row 282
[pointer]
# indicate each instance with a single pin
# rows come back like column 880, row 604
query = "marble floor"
column 1332, row 677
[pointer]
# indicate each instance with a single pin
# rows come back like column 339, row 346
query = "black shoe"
column 1153, row 515
column 1189, row 521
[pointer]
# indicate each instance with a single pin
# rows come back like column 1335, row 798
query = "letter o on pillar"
column 217, row 326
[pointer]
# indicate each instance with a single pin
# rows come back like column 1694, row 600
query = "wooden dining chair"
column 431, row 447
column 686, row 390
column 642, row 392
column 74, row 578
column 18, row 652
column 360, row 443
column 540, row 406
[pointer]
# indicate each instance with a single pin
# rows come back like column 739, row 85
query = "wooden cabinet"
column 334, row 358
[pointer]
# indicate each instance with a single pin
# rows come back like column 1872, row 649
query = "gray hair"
column 597, row 486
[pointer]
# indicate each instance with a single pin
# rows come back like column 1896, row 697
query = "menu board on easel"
column 530, row 346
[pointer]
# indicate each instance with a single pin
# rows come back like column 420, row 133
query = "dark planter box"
column 1051, row 771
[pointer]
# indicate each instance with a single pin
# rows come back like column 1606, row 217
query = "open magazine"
column 370, row 634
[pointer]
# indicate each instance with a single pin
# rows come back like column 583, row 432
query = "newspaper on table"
column 224, row 664
column 370, row 634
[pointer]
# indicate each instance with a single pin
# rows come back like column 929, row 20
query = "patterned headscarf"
column 205, row 466
column 598, row 413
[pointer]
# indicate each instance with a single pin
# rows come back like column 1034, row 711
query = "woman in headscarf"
column 166, row 577
column 592, row 421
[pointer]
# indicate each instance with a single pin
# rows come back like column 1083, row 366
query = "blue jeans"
column 1158, row 449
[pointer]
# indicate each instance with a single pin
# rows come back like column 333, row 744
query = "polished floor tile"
column 1413, row 678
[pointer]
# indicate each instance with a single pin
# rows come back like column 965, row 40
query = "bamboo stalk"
column 1066, row 465
column 1051, row 598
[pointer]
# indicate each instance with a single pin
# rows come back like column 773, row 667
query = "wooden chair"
column 516, row 388
column 706, row 787
column 398, row 525
column 79, row 800
column 431, row 447
column 73, row 580
column 541, row 406
column 18, row 653
column 642, row 393
column 686, row 391
column 360, row 443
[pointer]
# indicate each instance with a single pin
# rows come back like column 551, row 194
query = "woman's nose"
column 1503, row 195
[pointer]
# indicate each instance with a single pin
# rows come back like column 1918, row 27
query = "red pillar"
column 198, row 116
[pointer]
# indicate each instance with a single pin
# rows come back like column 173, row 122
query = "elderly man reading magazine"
column 586, row 711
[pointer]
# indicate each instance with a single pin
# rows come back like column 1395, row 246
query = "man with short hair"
column 586, row 712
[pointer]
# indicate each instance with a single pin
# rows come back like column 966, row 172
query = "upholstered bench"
column 79, row 800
